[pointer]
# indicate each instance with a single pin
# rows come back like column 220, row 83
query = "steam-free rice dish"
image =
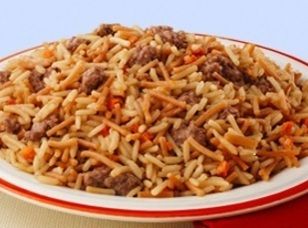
column 151, row 113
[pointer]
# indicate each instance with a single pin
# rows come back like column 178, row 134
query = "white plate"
column 288, row 184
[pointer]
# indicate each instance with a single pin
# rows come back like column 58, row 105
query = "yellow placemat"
column 15, row 213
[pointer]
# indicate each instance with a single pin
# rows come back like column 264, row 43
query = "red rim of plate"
column 248, row 206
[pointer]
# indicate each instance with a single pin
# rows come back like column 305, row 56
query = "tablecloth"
column 15, row 213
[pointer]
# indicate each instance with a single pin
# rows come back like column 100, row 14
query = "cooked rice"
column 252, row 113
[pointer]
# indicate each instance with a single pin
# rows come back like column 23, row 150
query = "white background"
column 280, row 24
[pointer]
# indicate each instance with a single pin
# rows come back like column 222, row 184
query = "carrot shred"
column 175, row 183
column 146, row 136
column 190, row 58
column 134, row 128
column 286, row 142
column 287, row 127
column 198, row 52
column 28, row 153
column 223, row 168
column 105, row 131
column 47, row 53
column 112, row 101
column 11, row 101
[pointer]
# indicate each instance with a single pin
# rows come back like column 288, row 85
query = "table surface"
column 278, row 23
column 15, row 213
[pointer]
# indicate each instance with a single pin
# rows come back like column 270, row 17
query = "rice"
column 151, row 113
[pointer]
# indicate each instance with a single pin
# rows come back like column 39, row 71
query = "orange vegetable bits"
column 223, row 169
column 112, row 101
column 134, row 128
column 11, row 101
column 189, row 59
column 105, row 131
column 28, row 153
column 146, row 136
column 286, row 142
column 287, row 128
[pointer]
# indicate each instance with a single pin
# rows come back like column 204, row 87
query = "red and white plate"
column 288, row 184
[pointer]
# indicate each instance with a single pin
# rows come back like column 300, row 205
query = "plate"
column 288, row 184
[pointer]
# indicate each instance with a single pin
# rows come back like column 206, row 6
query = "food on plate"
column 151, row 113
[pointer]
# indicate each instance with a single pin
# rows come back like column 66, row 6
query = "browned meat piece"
column 4, row 76
column 143, row 55
column 105, row 30
column 38, row 129
column 122, row 183
column 52, row 120
column 36, row 81
column 263, row 84
column 167, row 34
column 231, row 110
column 209, row 68
column 184, row 131
column 223, row 66
column 97, row 176
column 74, row 43
column 92, row 79
column 189, row 97
column 11, row 125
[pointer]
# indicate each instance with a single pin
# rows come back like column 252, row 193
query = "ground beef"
column 4, row 76
column 52, row 120
column 92, row 79
column 122, row 183
column 223, row 66
column 189, row 97
column 167, row 34
column 36, row 80
column 263, row 84
column 184, row 131
column 97, row 176
column 142, row 55
column 74, row 43
column 38, row 129
column 11, row 125
column 105, row 30
column 231, row 110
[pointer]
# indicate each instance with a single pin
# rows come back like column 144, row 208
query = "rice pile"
column 151, row 113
